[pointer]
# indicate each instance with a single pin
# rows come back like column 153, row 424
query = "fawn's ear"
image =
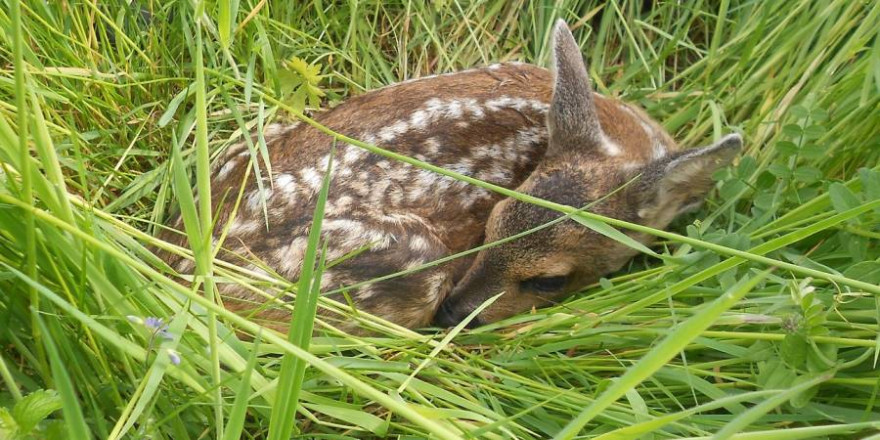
column 572, row 121
column 672, row 187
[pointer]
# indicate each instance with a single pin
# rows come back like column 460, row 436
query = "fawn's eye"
column 544, row 284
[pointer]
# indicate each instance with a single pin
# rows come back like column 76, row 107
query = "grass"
column 762, row 313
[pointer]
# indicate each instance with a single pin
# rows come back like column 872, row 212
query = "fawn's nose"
column 447, row 316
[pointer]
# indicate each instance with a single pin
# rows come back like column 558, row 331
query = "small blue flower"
column 153, row 323
column 158, row 327
column 174, row 356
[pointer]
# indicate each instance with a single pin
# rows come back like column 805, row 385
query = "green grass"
column 763, row 312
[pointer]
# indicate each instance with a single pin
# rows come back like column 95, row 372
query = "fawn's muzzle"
column 447, row 316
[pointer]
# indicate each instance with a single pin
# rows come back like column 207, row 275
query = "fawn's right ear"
column 572, row 121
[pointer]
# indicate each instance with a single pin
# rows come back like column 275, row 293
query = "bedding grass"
column 757, row 317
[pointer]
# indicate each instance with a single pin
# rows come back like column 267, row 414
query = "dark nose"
column 447, row 317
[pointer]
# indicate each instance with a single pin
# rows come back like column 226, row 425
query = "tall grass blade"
column 302, row 323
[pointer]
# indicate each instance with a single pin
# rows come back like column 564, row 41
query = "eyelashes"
column 552, row 284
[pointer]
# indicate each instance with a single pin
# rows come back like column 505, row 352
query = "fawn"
column 514, row 125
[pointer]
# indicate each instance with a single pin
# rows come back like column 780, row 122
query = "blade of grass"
column 74, row 420
column 204, row 260
column 302, row 323
column 235, row 422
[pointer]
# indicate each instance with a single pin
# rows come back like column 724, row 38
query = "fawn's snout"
column 603, row 154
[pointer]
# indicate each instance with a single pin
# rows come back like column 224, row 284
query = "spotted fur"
column 489, row 123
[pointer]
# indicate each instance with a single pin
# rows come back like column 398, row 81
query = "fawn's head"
column 582, row 166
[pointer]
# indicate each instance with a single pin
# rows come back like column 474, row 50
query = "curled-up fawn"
column 514, row 125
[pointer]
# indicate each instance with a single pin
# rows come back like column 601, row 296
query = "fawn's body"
column 488, row 123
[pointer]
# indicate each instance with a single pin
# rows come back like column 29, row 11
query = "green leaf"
column 808, row 174
column 842, row 198
column 731, row 189
column 811, row 150
column 870, row 183
column 800, row 111
column 792, row 131
column 821, row 357
column 8, row 426
column 787, row 148
column 765, row 180
column 819, row 115
column 814, row 131
column 774, row 374
column 867, row 271
column 779, row 170
column 794, row 349
column 34, row 408
column 747, row 166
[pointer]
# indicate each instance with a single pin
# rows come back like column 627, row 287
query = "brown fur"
column 588, row 158
column 489, row 123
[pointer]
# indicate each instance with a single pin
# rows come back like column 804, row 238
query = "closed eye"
column 552, row 284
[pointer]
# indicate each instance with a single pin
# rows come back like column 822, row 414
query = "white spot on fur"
column 391, row 132
column 353, row 154
column 185, row 265
column 432, row 146
column 378, row 190
column 419, row 119
column 273, row 130
column 256, row 197
column 338, row 206
column 241, row 226
column 435, row 287
column 291, row 256
column 469, row 198
column 286, row 184
column 473, row 108
column 326, row 280
column 352, row 234
column 414, row 263
column 417, row 243
column 226, row 169
column 519, row 104
column 630, row 166
column 312, row 178
column 465, row 166
column 658, row 151
column 609, row 147
column 365, row 292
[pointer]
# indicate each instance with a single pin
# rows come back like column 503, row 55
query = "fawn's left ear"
column 672, row 187
column 572, row 120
